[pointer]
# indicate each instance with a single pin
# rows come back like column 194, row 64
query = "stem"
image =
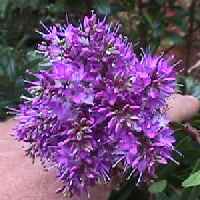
column 193, row 132
column 151, row 196
column 190, row 34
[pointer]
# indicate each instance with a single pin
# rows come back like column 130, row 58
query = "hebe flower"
column 96, row 106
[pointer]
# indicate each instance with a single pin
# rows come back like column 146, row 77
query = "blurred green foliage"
column 189, row 86
column 158, row 24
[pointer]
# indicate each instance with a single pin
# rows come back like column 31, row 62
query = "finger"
column 181, row 108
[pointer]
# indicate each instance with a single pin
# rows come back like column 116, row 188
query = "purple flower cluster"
column 98, row 105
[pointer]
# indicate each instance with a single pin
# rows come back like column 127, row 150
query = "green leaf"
column 3, row 7
column 192, row 87
column 192, row 180
column 158, row 187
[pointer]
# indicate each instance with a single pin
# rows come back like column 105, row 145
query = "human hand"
column 181, row 108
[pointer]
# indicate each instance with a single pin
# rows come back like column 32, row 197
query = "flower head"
column 96, row 106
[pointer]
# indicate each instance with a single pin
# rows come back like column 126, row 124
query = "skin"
column 21, row 180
